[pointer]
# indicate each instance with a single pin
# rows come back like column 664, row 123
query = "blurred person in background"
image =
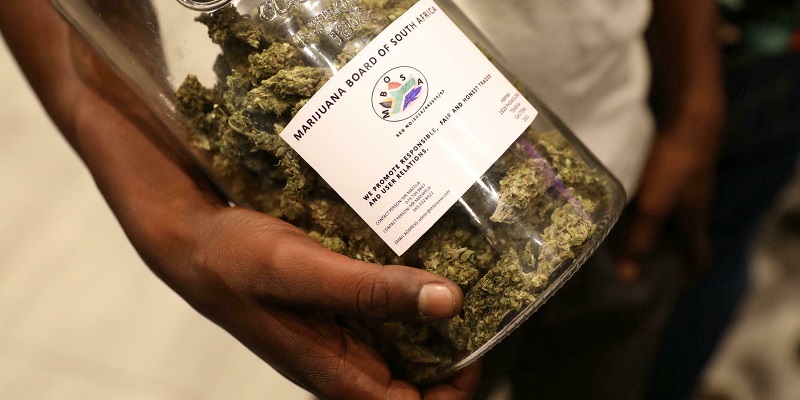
column 760, row 144
column 588, row 60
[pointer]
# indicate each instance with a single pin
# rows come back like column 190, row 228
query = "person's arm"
column 263, row 280
column 678, row 177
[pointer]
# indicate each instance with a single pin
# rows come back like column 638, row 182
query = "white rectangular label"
column 406, row 127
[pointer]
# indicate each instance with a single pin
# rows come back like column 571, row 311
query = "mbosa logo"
column 399, row 93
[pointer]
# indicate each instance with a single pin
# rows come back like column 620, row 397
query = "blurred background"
column 81, row 316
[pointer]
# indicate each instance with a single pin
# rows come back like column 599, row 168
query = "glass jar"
column 390, row 131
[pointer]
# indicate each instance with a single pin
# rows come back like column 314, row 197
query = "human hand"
column 677, row 182
column 279, row 292
column 265, row 281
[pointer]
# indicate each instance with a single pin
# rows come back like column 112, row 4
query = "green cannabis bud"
column 536, row 224
column 522, row 185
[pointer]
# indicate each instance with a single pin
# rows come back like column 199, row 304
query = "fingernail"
column 436, row 300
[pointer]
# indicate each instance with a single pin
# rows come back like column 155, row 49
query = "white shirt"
column 585, row 59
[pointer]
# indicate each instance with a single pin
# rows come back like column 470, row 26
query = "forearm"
column 688, row 69
column 103, row 122
column 678, row 177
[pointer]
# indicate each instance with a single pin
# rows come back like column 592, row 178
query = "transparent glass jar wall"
column 226, row 89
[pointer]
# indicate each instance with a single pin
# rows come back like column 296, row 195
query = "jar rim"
column 204, row 5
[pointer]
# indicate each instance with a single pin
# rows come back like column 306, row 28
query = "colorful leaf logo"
column 411, row 96
column 399, row 95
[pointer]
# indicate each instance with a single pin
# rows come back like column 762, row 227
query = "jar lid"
column 204, row 5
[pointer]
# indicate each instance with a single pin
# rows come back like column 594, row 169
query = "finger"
column 289, row 268
column 318, row 356
column 697, row 240
column 459, row 387
column 695, row 226
column 351, row 287
column 640, row 238
column 663, row 184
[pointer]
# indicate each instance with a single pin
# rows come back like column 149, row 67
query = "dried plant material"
column 570, row 228
column 227, row 27
column 522, row 185
column 274, row 59
column 505, row 289
column 455, row 263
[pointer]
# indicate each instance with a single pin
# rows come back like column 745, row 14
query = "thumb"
column 636, row 247
column 310, row 276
